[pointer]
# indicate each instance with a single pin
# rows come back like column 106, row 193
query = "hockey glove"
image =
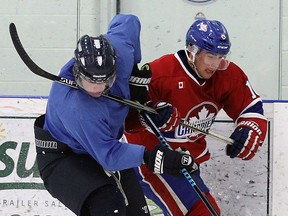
column 168, row 117
column 164, row 160
column 247, row 136
column 138, row 83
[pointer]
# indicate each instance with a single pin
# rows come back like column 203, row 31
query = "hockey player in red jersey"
column 199, row 81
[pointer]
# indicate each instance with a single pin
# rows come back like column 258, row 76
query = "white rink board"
column 17, row 168
column 241, row 188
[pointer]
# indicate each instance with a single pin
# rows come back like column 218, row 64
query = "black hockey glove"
column 168, row 117
column 138, row 83
column 164, row 160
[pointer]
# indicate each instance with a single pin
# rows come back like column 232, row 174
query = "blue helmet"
column 210, row 35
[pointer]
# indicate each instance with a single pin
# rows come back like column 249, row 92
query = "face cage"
column 108, row 81
column 212, row 60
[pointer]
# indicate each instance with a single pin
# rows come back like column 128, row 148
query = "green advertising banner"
column 21, row 188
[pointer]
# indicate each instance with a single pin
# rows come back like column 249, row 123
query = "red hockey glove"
column 247, row 136
column 164, row 160
column 138, row 83
column 168, row 117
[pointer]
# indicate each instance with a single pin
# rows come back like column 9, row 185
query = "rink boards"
column 256, row 187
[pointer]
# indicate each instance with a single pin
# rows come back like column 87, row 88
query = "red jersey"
column 198, row 101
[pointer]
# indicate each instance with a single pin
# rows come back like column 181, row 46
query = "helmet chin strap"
column 191, row 62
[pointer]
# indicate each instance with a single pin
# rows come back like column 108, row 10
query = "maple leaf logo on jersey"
column 202, row 117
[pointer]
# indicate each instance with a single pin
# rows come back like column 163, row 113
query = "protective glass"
column 212, row 60
column 216, row 61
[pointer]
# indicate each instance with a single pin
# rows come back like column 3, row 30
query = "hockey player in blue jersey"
column 81, row 157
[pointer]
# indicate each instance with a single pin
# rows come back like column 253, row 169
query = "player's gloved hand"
column 164, row 160
column 247, row 138
column 168, row 117
column 138, row 83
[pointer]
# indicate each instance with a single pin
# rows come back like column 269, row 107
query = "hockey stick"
column 188, row 176
column 45, row 74
column 227, row 140
column 40, row 72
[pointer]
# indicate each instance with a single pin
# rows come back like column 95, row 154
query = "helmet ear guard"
column 192, row 49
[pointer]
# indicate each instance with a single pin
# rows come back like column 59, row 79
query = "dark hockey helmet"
column 210, row 35
column 95, row 60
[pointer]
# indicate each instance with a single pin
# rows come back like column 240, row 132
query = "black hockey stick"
column 188, row 176
column 40, row 72
column 45, row 74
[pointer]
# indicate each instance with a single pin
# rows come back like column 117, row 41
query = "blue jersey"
column 94, row 126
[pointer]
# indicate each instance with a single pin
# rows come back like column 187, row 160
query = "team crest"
column 201, row 117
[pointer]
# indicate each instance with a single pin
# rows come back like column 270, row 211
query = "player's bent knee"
column 107, row 200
